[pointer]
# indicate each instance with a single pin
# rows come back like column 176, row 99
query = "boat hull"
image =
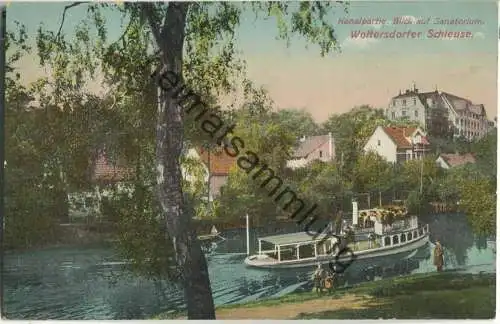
column 265, row 262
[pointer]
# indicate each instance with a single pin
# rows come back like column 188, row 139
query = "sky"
column 366, row 71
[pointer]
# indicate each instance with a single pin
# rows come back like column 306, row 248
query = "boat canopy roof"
column 293, row 238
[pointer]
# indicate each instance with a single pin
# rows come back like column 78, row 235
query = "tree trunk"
column 191, row 261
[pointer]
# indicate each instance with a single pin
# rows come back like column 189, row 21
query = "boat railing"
column 267, row 251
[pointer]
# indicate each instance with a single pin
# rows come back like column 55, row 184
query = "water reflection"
column 445, row 229
column 481, row 243
column 93, row 284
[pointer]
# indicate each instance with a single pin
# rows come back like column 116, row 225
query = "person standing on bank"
column 317, row 279
column 438, row 256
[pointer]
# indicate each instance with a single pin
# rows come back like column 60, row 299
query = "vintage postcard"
column 249, row 160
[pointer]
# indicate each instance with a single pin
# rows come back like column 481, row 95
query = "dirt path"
column 292, row 310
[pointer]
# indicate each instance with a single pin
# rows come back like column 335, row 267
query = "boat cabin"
column 296, row 246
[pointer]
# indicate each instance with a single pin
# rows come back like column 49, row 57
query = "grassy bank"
column 446, row 295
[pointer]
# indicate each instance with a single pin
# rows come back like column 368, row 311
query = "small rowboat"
column 214, row 233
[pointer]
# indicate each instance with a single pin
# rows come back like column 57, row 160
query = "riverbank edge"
column 428, row 283
column 106, row 242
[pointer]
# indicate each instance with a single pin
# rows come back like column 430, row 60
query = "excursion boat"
column 375, row 233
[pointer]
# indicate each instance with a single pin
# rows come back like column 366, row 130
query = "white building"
column 398, row 144
column 431, row 109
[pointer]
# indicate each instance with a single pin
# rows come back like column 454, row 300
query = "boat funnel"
column 355, row 213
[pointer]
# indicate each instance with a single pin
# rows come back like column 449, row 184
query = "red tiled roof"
column 220, row 162
column 399, row 135
column 454, row 160
column 104, row 170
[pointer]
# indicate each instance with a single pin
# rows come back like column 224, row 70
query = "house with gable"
column 452, row 160
column 312, row 148
column 217, row 164
column 398, row 144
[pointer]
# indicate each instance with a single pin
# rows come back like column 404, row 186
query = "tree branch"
column 74, row 4
column 122, row 37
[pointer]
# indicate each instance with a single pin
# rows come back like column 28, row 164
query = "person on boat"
column 438, row 256
column 371, row 240
column 317, row 279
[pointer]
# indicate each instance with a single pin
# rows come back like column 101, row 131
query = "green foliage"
column 142, row 237
column 322, row 184
column 372, row 172
column 243, row 194
column 297, row 122
column 478, row 201
column 308, row 19
column 415, row 173
column 485, row 151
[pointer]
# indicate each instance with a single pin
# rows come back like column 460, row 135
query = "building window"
column 320, row 153
column 403, row 113
column 394, row 102
column 404, row 102
column 393, row 115
column 378, row 142
column 416, row 113
column 414, row 101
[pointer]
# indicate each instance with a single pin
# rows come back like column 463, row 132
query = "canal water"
column 92, row 283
